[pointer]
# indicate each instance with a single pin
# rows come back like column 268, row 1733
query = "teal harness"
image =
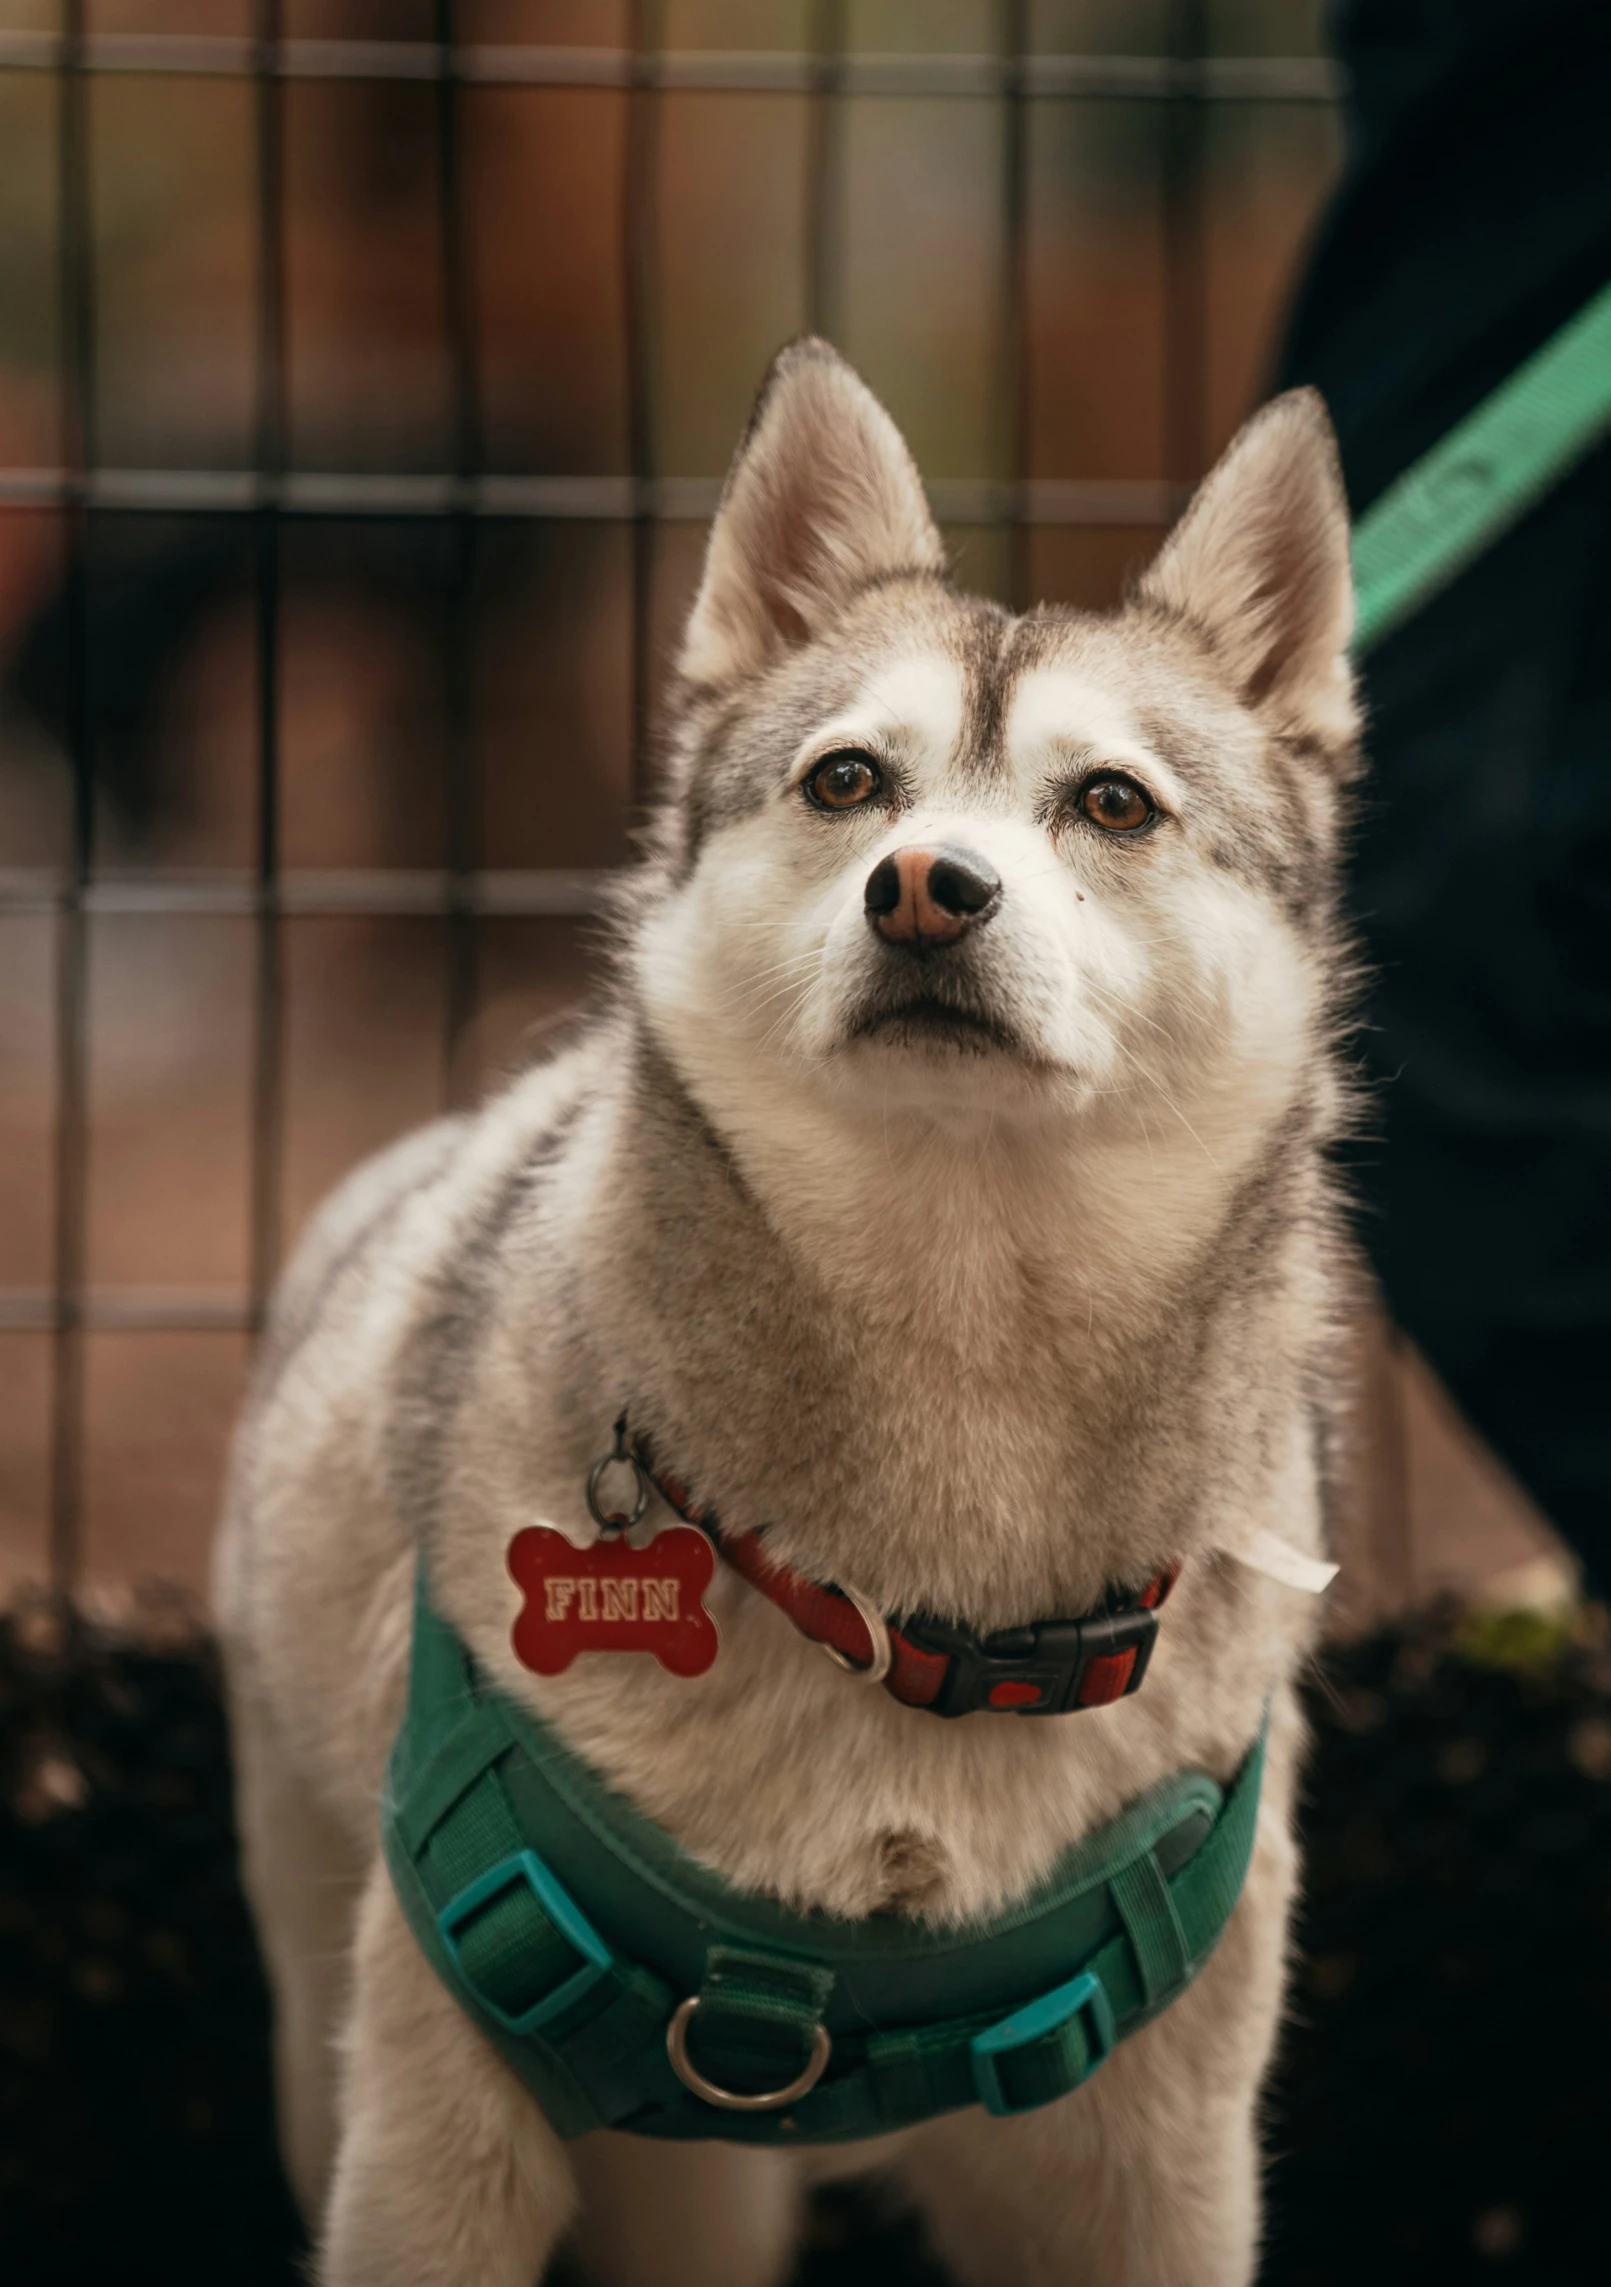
column 631, row 1988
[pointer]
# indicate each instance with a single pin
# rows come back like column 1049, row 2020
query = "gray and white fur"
column 985, row 1264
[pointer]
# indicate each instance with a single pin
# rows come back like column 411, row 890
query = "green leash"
column 1481, row 478
column 630, row 1987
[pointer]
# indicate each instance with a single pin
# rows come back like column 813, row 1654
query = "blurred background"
column 358, row 429
column 368, row 369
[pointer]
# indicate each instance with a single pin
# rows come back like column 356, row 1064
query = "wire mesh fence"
column 366, row 379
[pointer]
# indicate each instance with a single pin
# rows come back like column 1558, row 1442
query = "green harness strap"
column 574, row 1931
column 1479, row 479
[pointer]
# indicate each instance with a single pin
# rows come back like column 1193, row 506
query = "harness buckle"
column 523, row 1869
column 1072, row 2027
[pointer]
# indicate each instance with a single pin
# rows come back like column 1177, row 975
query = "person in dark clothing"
column 1472, row 222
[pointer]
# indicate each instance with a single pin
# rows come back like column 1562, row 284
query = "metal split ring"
column 730, row 2101
column 877, row 1628
column 620, row 1456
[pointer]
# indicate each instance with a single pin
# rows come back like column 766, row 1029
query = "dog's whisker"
column 1168, row 1102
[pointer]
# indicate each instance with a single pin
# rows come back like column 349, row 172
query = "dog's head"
column 928, row 859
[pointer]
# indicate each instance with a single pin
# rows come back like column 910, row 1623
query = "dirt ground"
column 1438, row 2115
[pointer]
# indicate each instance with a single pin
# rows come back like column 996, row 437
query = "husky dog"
column 941, row 1184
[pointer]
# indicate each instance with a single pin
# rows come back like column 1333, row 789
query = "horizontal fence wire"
column 553, row 499
column 122, row 1309
column 1232, row 79
column 392, row 893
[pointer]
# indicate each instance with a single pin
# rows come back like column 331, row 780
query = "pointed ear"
column 822, row 496
column 1259, row 565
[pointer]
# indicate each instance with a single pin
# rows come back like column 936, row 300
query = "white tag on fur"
column 1265, row 1552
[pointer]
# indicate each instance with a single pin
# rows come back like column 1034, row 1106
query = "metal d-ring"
column 620, row 1456
column 877, row 1628
column 729, row 2100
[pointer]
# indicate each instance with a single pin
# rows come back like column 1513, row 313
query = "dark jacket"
column 1473, row 219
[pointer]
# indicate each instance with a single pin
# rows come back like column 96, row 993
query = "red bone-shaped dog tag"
column 613, row 1597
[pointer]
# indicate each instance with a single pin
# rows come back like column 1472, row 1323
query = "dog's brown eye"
column 1116, row 803
column 843, row 781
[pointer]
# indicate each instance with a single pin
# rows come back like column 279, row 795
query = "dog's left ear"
column 1259, row 564
column 822, row 496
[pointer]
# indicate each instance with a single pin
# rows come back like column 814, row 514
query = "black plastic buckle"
column 1036, row 1670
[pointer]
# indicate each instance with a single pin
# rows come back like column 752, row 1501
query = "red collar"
column 1048, row 1667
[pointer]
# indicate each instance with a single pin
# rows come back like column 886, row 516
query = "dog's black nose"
column 921, row 898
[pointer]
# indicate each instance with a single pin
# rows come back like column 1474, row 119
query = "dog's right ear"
column 1259, row 566
column 822, row 497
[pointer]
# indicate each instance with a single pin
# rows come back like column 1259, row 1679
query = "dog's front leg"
column 1069, row 2197
column 1149, row 2176
column 447, row 2174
